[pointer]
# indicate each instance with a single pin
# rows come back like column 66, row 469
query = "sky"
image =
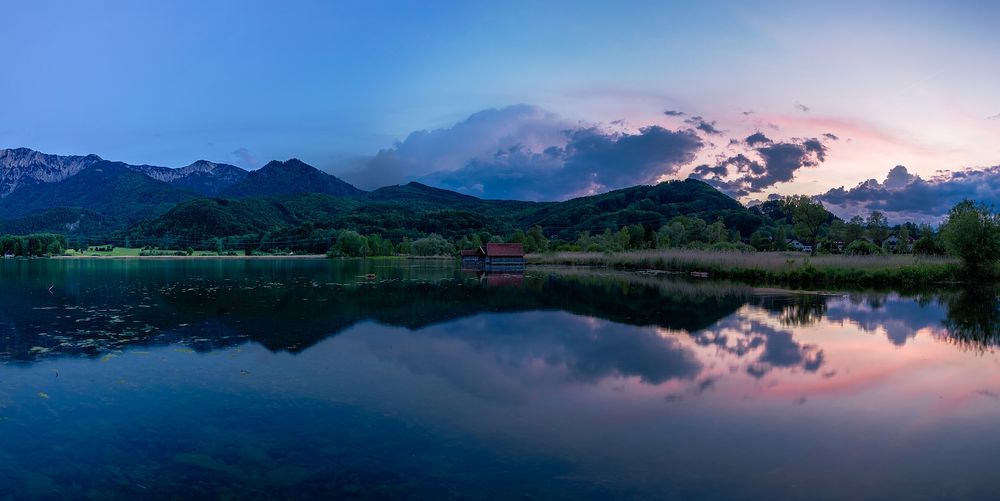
column 528, row 100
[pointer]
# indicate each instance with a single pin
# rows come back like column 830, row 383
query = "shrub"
column 432, row 245
column 972, row 233
column 352, row 244
column 861, row 248
column 731, row 247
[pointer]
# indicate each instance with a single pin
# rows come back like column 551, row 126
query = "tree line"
column 970, row 232
column 33, row 245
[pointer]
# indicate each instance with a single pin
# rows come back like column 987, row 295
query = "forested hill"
column 292, row 177
column 415, row 210
column 650, row 206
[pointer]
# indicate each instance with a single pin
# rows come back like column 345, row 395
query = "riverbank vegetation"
column 965, row 248
column 772, row 267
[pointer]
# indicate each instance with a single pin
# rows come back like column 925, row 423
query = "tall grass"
column 780, row 267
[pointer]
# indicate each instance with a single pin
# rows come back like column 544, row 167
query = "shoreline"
column 772, row 267
column 265, row 257
column 777, row 268
column 296, row 256
column 763, row 271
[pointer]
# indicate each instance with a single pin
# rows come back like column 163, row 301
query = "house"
column 831, row 246
column 894, row 241
column 794, row 244
column 504, row 257
column 494, row 257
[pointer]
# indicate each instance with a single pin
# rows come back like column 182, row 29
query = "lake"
column 305, row 379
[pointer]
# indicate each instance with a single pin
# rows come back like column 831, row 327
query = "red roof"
column 505, row 250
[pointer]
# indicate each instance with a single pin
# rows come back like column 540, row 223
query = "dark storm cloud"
column 705, row 170
column 621, row 160
column 831, row 136
column 776, row 162
column 757, row 138
column 703, row 125
column 708, row 128
column 478, row 137
column 815, row 147
column 739, row 164
column 904, row 196
column 591, row 160
column 526, row 153
column 898, row 177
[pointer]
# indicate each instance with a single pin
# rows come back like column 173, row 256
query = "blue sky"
column 333, row 83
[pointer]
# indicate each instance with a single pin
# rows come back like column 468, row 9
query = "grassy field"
column 779, row 267
column 116, row 252
column 124, row 252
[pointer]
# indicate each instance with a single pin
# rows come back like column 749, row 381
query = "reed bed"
column 782, row 267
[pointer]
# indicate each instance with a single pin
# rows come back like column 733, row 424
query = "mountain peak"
column 202, row 176
column 291, row 163
column 22, row 154
column 25, row 166
column 290, row 177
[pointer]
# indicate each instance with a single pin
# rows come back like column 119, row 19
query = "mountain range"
column 87, row 196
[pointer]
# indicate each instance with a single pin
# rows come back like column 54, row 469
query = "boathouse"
column 494, row 257
column 470, row 259
column 504, row 257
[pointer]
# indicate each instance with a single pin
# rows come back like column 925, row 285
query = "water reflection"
column 101, row 307
column 94, row 307
column 973, row 318
column 770, row 347
column 898, row 318
column 310, row 379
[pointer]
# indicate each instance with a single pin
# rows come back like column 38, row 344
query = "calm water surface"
column 264, row 379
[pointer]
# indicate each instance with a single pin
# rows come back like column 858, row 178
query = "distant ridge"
column 25, row 167
column 113, row 189
column 21, row 167
column 204, row 177
column 291, row 177
column 418, row 192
